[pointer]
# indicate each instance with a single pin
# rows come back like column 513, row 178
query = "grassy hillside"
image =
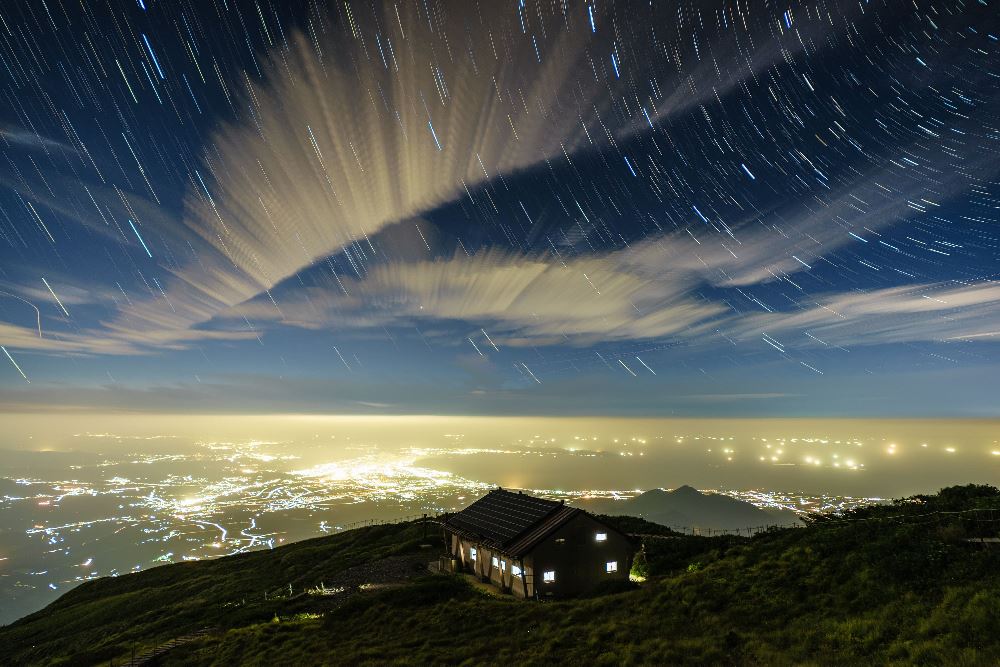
column 898, row 584
column 100, row 619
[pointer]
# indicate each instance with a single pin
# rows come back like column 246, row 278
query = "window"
column 496, row 563
column 515, row 570
column 503, row 566
column 560, row 540
column 612, row 566
column 472, row 553
column 602, row 537
column 549, row 576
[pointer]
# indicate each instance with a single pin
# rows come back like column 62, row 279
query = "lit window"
column 560, row 540
column 503, row 566
column 472, row 553
column 612, row 566
column 549, row 576
column 602, row 537
column 496, row 563
column 515, row 570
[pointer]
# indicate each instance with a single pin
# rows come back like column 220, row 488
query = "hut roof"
column 513, row 523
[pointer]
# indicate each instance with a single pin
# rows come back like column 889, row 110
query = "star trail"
column 325, row 207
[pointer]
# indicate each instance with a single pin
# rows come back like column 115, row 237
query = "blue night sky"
column 558, row 208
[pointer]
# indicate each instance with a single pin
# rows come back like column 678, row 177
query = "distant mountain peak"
column 686, row 507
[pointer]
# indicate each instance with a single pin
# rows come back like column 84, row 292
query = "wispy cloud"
column 914, row 313
column 526, row 300
column 27, row 139
column 98, row 342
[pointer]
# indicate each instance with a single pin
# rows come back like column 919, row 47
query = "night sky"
column 501, row 207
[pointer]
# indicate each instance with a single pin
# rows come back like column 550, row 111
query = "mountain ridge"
column 688, row 508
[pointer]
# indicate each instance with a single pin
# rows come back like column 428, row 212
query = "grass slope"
column 893, row 585
column 100, row 619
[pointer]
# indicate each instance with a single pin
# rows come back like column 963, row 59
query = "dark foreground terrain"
column 907, row 583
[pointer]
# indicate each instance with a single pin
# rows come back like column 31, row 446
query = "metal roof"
column 510, row 522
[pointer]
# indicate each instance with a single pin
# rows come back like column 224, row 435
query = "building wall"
column 572, row 552
column 578, row 559
column 501, row 575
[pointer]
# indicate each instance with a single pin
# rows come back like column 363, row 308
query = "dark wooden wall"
column 579, row 560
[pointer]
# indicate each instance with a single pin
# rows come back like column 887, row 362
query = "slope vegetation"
column 896, row 584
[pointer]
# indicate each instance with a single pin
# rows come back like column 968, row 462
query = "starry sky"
column 554, row 207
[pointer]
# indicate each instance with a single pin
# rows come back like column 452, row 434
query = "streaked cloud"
column 335, row 151
column 914, row 313
column 98, row 342
column 526, row 300
column 21, row 137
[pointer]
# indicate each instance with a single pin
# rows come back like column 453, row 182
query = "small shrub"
column 611, row 588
